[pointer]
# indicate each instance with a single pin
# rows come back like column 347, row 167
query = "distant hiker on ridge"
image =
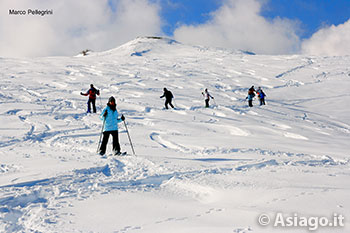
column 168, row 98
column 110, row 117
column 261, row 95
column 250, row 96
column 92, row 92
column 207, row 96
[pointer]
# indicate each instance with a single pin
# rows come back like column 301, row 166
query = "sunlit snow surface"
column 196, row 169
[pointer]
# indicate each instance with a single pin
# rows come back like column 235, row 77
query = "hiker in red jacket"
column 92, row 92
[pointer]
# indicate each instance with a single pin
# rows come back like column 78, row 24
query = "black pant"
column 91, row 101
column 116, row 145
column 250, row 102
column 168, row 101
column 207, row 103
column 262, row 101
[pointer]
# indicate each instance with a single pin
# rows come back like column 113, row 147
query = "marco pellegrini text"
column 30, row 12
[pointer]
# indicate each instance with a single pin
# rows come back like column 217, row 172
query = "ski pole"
column 127, row 131
column 175, row 103
column 100, row 101
column 99, row 142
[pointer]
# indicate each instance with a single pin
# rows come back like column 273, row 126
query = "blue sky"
column 186, row 12
column 312, row 14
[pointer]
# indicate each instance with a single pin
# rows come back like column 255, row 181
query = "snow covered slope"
column 197, row 169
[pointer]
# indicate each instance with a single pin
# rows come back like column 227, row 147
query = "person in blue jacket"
column 261, row 96
column 110, row 117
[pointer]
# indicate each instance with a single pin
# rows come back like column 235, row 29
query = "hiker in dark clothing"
column 168, row 98
column 92, row 92
column 250, row 96
column 207, row 96
column 252, row 89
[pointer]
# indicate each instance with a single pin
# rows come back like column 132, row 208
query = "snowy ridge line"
column 314, row 118
column 31, row 136
column 296, row 102
column 167, row 144
column 260, row 165
column 310, row 163
column 309, row 63
column 9, row 143
column 251, row 150
column 227, row 151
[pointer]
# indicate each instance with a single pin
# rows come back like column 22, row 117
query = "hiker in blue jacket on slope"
column 110, row 117
column 261, row 96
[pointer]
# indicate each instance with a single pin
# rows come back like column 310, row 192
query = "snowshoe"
column 120, row 153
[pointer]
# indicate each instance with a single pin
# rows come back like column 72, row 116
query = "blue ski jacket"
column 250, row 97
column 112, row 119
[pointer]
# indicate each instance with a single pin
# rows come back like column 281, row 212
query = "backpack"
column 92, row 93
column 251, row 93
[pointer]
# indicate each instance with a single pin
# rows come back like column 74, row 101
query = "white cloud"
column 333, row 41
column 92, row 24
column 238, row 24
column 74, row 26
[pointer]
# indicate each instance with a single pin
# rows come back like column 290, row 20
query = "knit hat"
column 111, row 99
